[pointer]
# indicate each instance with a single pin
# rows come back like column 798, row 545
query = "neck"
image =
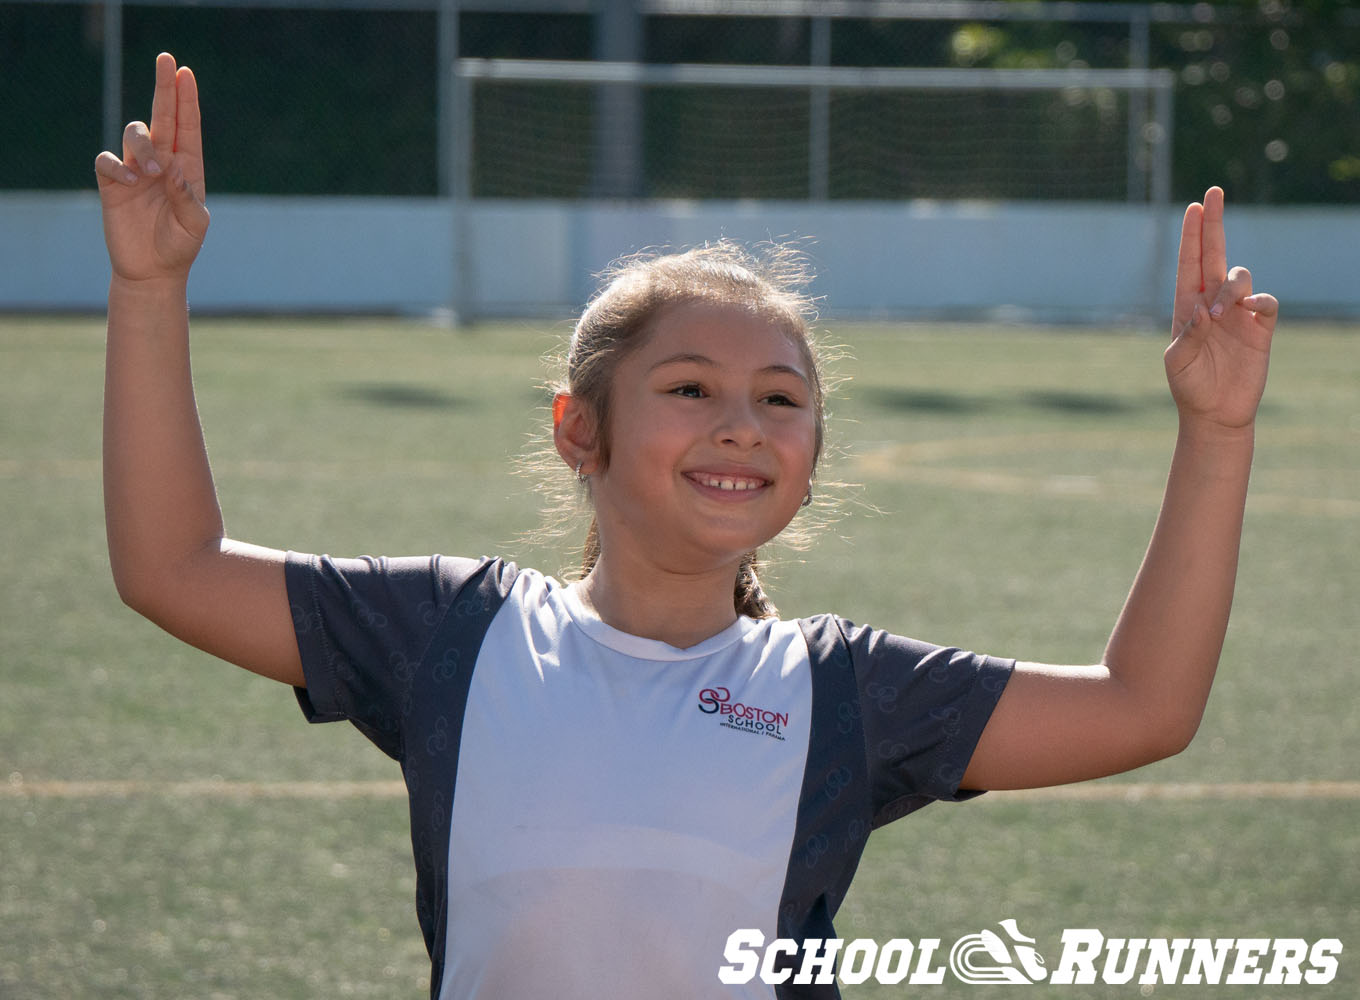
column 681, row 609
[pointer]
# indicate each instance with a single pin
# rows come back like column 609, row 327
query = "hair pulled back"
column 636, row 289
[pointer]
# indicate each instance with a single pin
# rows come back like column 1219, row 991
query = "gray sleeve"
column 362, row 626
column 924, row 708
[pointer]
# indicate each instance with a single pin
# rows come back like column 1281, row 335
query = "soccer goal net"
column 541, row 129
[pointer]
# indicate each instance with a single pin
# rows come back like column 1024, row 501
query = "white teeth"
column 733, row 484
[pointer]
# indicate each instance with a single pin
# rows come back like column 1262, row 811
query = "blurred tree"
column 1267, row 104
column 1267, row 97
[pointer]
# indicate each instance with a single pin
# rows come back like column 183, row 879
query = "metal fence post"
column 113, row 76
column 1138, row 152
column 819, row 115
column 1164, row 98
column 459, row 155
column 618, row 107
column 446, row 56
column 1159, row 200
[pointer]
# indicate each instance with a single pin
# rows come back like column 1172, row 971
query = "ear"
column 574, row 432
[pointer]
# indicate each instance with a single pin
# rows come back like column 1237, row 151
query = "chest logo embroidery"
column 746, row 718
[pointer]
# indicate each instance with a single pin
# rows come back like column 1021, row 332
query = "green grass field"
column 1006, row 483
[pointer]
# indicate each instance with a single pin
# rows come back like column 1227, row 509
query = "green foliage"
column 1269, row 106
column 1267, row 99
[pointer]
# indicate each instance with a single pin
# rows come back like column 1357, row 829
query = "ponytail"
column 747, row 595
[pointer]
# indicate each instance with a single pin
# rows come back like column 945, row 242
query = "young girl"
column 608, row 779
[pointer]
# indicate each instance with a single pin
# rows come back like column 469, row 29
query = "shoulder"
column 448, row 573
column 861, row 641
column 878, row 656
column 377, row 588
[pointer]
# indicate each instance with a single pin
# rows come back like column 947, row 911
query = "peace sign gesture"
column 152, row 198
column 1216, row 364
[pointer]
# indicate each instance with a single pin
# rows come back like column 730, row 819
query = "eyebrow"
column 707, row 362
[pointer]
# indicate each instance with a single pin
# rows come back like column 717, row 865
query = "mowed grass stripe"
column 929, row 463
column 206, row 789
column 17, row 788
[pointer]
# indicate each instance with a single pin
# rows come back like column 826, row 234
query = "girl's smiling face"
column 712, row 432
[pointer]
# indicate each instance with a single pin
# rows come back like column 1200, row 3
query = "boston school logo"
column 736, row 715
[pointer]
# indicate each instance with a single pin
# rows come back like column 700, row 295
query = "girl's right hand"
column 152, row 198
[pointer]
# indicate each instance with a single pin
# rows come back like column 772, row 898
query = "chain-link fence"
column 348, row 101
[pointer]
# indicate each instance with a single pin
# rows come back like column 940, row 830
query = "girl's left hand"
column 152, row 197
column 1216, row 364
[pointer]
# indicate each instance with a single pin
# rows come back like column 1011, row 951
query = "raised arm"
column 170, row 558
column 1144, row 702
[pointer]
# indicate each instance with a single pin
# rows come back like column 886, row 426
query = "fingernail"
column 152, row 167
column 130, row 177
column 1217, row 310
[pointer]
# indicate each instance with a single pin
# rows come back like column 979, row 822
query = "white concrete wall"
column 1042, row 261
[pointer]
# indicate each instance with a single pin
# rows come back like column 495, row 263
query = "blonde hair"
column 636, row 289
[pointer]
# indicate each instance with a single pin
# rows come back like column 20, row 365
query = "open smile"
column 727, row 483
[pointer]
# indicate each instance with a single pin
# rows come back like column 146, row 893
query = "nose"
column 739, row 424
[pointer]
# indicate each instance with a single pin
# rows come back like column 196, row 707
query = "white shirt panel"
column 566, row 828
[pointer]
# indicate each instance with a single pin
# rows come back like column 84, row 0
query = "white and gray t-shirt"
column 594, row 813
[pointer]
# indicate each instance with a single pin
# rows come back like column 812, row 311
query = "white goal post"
column 816, row 134
column 1146, row 137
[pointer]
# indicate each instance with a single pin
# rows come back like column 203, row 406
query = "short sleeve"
column 924, row 708
column 362, row 626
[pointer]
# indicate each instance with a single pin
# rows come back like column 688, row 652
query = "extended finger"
column 1214, row 245
column 108, row 166
column 163, row 111
column 1236, row 288
column 1188, row 269
column 188, row 129
column 138, row 150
